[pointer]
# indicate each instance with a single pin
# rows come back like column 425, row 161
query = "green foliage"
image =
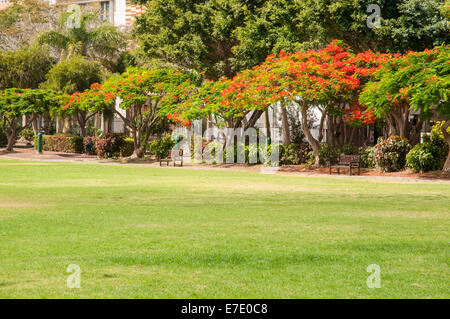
column 24, row 68
column 367, row 160
column 127, row 147
column 193, row 34
column 431, row 155
column 61, row 143
column 420, row 80
column 90, row 145
column 296, row 154
column 112, row 145
column 328, row 153
column 3, row 138
column 93, row 39
column 74, row 74
column 436, row 130
column 223, row 37
column 390, row 154
column 27, row 134
column 161, row 147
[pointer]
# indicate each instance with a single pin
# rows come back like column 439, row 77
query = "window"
column 105, row 11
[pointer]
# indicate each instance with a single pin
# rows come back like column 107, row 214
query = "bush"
column 328, row 154
column 347, row 149
column 367, row 157
column 108, row 146
column 431, row 155
column 161, row 147
column 296, row 154
column 127, row 147
column 61, row 143
column 3, row 139
column 27, row 135
column 390, row 154
column 90, row 145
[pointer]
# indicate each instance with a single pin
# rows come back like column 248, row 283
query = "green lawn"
column 141, row 232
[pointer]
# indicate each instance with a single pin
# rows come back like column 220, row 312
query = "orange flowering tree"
column 83, row 106
column 402, row 86
column 19, row 107
column 140, row 93
column 418, row 82
column 330, row 78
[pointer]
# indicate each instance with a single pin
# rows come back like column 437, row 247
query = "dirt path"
column 26, row 153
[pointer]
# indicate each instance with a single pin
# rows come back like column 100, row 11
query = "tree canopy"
column 223, row 37
column 24, row 68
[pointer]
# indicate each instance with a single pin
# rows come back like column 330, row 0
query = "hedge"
column 61, row 143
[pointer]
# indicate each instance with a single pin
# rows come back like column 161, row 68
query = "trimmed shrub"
column 3, row 139
column 108, row 146
column 61, row 143
column 390, row 154
column 161, row 147
column 90, row 145
column 367, row 157
column 127, row 147
column 431, row 155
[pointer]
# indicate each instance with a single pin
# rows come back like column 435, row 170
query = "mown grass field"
column 142, row 232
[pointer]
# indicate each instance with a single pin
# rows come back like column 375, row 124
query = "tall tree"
column 193, row 34
column 222, row 37
column 18, row 108
column 24, row 68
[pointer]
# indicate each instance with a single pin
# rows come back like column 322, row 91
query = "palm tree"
column 90, row 38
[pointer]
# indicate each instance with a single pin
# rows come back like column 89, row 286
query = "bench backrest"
column 345, row 159
column 177, row 153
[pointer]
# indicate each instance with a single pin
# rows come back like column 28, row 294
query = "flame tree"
column 20, row 107
column 420, row 82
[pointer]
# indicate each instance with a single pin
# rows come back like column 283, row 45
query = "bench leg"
column 339, row 170
column 350, row 170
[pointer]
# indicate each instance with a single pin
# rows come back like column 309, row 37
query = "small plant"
column 390, row 154
column 108, row 146
column 90, row 145
column 328, row 154
column 161, row 147
column 431, row 155
column 27, row 135
column 367, row 157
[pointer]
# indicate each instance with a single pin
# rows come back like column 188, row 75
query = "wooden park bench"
column 176, row 155
column 347, row 162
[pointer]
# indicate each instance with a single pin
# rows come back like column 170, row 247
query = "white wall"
column 120, row 12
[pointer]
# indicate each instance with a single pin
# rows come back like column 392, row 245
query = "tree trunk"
column 267, row 123
column 315, row 145
column 447, row 139
column 322, row 121
column 67, row 126
column 11, row 141
column 286, row 139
